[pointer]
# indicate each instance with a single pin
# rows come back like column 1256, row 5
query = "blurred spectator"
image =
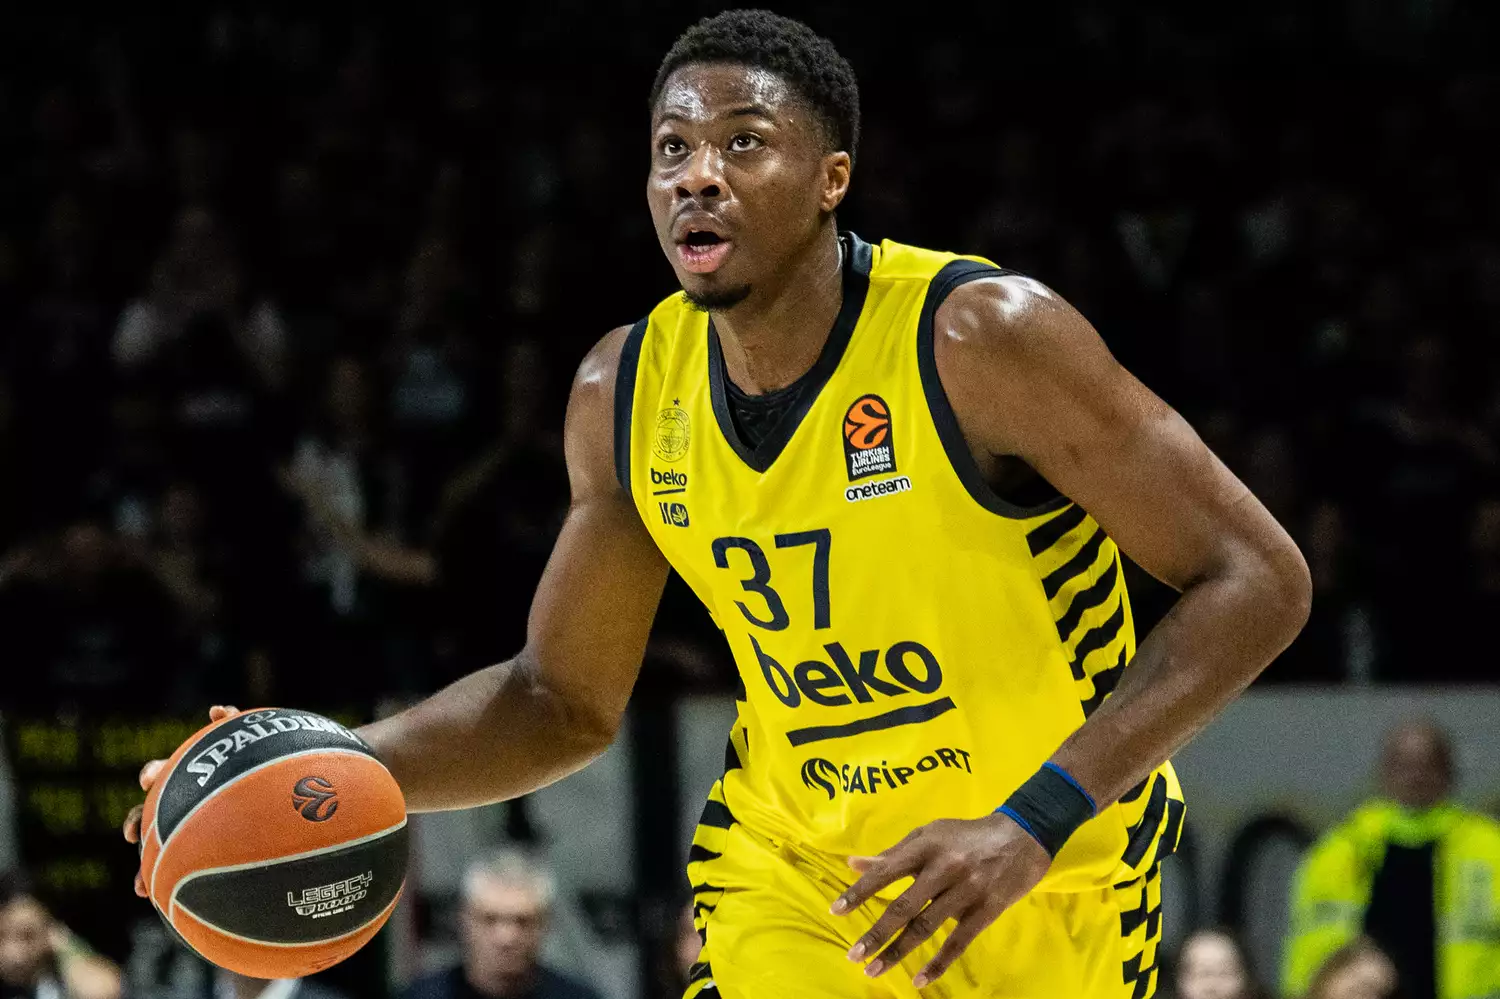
column 40, row 958
column 1337, row 642
column 1412, row 871
column 1480, row 599
column 490, row 536
column 180, row 556
column 689, row 944
column 335, row 464
column 1211, row 965
column 507, row 900
column 92, row 621
column 197, row 307
column 1358, row 970
column 160, row 967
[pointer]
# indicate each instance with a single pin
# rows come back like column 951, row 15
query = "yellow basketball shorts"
column 762, row 910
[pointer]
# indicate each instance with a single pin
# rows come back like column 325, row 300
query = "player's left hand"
column 969, row 870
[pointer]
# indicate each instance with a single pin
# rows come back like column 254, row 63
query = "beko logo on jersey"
column 909, row 667
column 877, row 489
column 857, row 778
column 672, row 478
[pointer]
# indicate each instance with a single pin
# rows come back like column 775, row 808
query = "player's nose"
column 702, row 177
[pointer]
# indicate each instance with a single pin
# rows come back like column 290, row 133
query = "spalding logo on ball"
column 260, row 888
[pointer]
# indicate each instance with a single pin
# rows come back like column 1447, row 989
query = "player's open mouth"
column 703, row 252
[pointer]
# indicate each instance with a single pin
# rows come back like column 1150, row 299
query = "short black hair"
column 788, row 48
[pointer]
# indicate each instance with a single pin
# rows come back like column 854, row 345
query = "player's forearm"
column 495, row 734
column 1216, row 639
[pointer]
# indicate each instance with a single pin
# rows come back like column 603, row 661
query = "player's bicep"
column 1033, row 379
column 592, row 613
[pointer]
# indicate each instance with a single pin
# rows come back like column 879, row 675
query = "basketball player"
column 898, row 479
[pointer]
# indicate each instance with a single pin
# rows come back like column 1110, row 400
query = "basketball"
column 274, row 843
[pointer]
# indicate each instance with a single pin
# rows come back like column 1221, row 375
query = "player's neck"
column 773, row 337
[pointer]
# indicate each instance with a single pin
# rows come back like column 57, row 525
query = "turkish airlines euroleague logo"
column 868, row 447
column 315, row 798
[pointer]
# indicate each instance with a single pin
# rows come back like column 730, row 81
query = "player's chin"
column 718, row 290
column 713, row 295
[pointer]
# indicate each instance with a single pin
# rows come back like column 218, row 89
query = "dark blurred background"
column 290, row 300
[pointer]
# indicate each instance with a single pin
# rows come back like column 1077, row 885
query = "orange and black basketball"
column 274, row 843
column 867, row 423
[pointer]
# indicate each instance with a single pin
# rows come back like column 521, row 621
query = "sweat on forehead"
column 703, row 91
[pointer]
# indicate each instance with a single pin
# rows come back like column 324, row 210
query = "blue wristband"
column 1093, row 808
column 1050, row 806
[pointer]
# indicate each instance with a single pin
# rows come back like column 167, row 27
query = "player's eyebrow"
column 748, row 111
column 742, row 111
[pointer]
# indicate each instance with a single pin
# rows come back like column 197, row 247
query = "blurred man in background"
column 40, row 958
column 1414, row 872
column 507, row 902
column 1211, row 965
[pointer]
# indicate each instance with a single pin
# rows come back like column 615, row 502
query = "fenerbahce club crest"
column 673, row 431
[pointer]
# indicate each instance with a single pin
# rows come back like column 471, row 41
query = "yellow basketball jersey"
column 911, row 647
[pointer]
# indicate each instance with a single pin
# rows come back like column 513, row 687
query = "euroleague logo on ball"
column 868, row 448
column 315, row 798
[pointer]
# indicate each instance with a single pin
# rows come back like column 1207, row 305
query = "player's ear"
column 836, row 169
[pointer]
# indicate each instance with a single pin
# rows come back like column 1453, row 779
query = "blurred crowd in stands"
column 289, row 305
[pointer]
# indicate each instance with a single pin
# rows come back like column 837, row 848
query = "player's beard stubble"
column 717, row 300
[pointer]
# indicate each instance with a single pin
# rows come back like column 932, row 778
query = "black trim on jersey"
column 957, row 273
column 630, row 359
column 1143, row 832
column 914, row 714
column 1050, row 532
column 858, row 260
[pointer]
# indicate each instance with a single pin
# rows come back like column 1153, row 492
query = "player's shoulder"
column 1008, row 312
column 977, row 304
column 594, row 381
column 601, row 387
column 600, row 365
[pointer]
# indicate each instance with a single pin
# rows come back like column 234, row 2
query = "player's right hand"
column 149, row 773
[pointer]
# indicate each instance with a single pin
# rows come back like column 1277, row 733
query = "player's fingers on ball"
column 132, row 827
column 150, row 772
column 140, row 886
column 902, row 910
column 958, row 941
column 219, row 712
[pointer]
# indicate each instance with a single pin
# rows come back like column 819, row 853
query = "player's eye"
column 744, row 142
column 671, row 146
